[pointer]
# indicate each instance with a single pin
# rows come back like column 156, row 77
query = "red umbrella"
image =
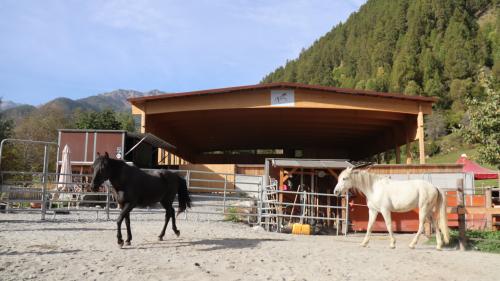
column 480, row 173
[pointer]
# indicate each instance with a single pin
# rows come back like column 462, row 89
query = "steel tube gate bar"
column 44, row 171
column 273, row 209
column 39, row 187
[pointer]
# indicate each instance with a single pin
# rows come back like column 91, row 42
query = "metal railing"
column 37, row 192
column 276, row 214
column 217, row 196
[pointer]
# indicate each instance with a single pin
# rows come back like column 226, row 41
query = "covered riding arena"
column 236, row 129
column 245, row 125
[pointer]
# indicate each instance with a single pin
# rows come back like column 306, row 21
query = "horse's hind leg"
column 129, row 231
column 167, row 218
column 388, row 223
column 422, row 214
column 435, row 222
column 174, row 226
column 372, row 216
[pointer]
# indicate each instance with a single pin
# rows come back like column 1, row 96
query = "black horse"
column 134, row 187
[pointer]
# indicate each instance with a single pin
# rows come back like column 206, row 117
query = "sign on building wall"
column 282, row 98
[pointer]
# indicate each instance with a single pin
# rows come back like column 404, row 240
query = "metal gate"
column 275, row 215
column 213, row 199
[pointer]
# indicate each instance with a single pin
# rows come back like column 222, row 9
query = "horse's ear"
column 98, row 154
column 106, row 155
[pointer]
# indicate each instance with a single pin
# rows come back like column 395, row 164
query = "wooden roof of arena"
column 357, row 123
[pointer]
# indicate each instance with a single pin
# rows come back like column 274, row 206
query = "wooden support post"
column 397, row 150
column 488, row 204
column 343, row 203
column 386, row 156
column 408, row 148
column 328, row 210
column 280, row 187
column 311, row 198
column 420, row 134
column 462, row 239
column 143, row 122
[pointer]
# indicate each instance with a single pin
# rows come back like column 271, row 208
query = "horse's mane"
column 362, row 178
column 112, row 164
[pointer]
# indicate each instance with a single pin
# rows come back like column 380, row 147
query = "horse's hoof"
column 160, row 238
column 127, row 243
column 411, row 246
column 363, row 244
column 392, row 246
column 438, row 248
column 177, row 232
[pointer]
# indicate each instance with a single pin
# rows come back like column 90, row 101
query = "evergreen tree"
column 460, row 59
column 6, row 126
column 103, row 120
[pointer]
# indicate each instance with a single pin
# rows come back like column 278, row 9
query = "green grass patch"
column 232, row 215
column 483, row 241
column 452, row 157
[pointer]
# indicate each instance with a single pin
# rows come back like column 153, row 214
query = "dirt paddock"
column 78, row 247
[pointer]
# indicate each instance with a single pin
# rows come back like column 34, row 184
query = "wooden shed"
column 141, row 149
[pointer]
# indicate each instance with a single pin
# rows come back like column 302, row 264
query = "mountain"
column 424, row 47
column 66, row 105
column 6, row 104
column 116, row 100
column 17, row 113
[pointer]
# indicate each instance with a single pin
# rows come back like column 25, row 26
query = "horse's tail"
column 443, row 217
column 183, row 196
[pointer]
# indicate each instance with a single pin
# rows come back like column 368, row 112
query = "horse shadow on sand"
column 70, row 229
column 39, row 252
column 209, row 244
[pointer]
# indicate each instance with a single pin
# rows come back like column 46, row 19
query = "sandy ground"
column 77, row 247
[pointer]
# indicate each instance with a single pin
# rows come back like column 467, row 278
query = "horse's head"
column 344, row 181
column 101, row 171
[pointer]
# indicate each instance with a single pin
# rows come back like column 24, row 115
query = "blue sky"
column 75, row 49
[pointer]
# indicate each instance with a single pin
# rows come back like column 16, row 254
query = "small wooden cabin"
column 140, row 149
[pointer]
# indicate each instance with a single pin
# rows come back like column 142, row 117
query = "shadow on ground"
column 208, row 244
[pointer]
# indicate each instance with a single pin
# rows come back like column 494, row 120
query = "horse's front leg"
column 372, row 216
column 127, row 207
column 388, row 223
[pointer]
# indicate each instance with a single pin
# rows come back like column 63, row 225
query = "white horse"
column 385, row 196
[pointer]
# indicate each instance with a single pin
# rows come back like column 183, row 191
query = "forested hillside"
column 446, row 49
